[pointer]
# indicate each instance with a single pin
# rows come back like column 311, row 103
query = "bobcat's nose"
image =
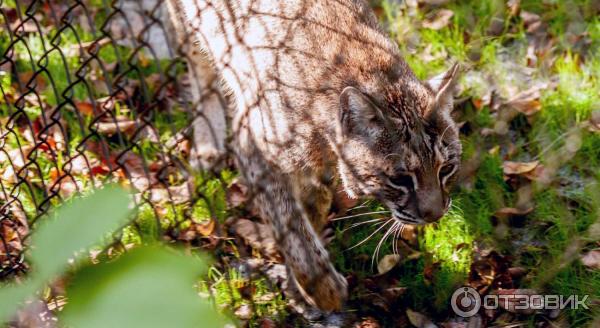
column 432, row 214
column 431, row 206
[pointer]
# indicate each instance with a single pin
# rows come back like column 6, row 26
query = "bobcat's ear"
column 443, row 88
column 358, row 115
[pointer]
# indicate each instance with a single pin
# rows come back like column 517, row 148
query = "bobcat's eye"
column 446, row 170
column 401, row 181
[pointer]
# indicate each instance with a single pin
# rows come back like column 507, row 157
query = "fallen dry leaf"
column 79, row 165
column 267, row 323
column 66, row 187
column 91, row 45
column 12, row 233
column 532, row 21
column 512, row 303
column 478, row 103
column 188, row 234
column 473, row 322
column 206, row 228
column 439, row 20
column 17, row 158
column 594, row 122
column 394, row 292
column 150, row 134
column 517, row 272
column 387, row 263
column 173, row 194
column 490, row 270
column 430, row 54
column 506, row 212
column 244, row 312
column 419, row 320
column 133, row 168
column 409, row 234
column 28, row 26
column 531, row 56
column 526, row 106
column 528, row 101
column 111, row 128
column 496, row 26
column 434, row 2
column 107, row 104
column 591, row 259
column 99, row 169
column 518, row 168
column 368, row 322
column 85, row 108
column 514, row 6
column 540, row 173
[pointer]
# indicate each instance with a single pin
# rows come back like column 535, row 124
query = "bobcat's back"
column 286, row 62
column 322, row 95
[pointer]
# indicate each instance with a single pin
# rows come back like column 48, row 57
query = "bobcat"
column 319, row 96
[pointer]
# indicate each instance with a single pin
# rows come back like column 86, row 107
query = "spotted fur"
column 321, row 95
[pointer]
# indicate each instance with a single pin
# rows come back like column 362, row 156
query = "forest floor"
column 526, row 211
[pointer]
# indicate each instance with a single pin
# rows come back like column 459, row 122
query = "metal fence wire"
column 101, row 91
column 96, row 92
column 92, row 91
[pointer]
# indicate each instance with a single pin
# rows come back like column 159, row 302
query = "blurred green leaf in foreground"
column 76, row 226
column 147, row 287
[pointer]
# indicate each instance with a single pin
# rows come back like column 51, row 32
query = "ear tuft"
column 442, row 81
column 443, row 89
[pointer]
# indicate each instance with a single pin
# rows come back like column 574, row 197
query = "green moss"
column 130, row 236
column 578, row 280
column 488, row 193
column 357, row 244
column 225, row 289
column 213, row 202
column 146, row 225
column 578, row 92
column 419, row 293
column 448, row 244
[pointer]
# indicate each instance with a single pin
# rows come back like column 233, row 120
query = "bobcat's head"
column 405, row 150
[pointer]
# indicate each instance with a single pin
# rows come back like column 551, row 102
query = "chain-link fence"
column 92, row 92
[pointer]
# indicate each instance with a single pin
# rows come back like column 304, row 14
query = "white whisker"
column 363, row 205
column 359, row 215
column 443, row 133
column 358, row 207
column 397, row 235
column 371, row 235
column 375, row 256
column 364, row 222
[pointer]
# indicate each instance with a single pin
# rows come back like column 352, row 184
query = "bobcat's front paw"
column 327, row 291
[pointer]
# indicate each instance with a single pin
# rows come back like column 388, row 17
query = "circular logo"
column 465, row 302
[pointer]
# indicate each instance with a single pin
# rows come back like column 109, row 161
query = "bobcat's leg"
column 305, row 256
column 209, row 125
column 317, row 197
